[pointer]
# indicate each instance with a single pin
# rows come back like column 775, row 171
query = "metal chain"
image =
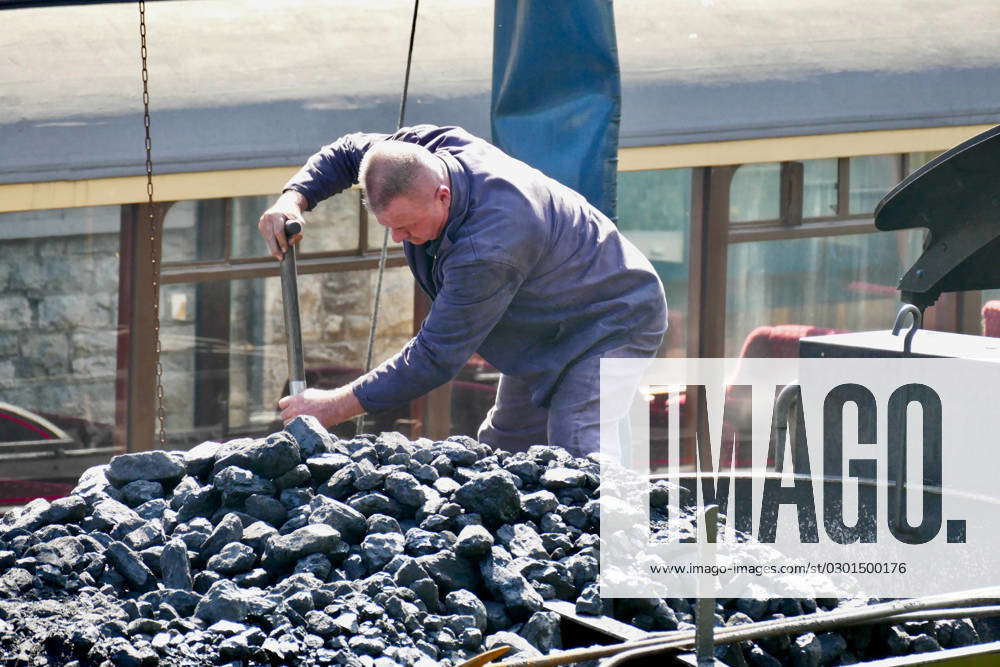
column 161, row 411
column 359, row 422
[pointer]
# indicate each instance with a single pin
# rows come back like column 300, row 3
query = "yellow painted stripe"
column 812, row 147
column 132, row 189
column 268, row 181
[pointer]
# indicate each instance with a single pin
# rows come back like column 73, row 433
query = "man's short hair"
column 392, row 168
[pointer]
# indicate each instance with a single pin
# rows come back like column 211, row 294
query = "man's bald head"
column 397, row 168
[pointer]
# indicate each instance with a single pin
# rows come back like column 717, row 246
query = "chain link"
column 161, row 411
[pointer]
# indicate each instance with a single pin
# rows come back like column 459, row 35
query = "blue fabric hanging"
column 556, row 100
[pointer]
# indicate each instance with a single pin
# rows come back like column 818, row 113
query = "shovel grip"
column 292, row 227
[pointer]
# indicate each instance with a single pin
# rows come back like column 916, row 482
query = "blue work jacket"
column 526, row 272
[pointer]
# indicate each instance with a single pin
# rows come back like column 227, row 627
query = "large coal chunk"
column 145, row 536
column 233, row 559
column 420, row 542
column 542, row 631
column 407, row 490
column 236, row 484
column 175, row 565
column 270, row 458
column 282, row 550
column 540, row 503
column 229, row 530
column 458, row 450
column 468, row 604
column 167, row 467
column 492, row 495
column 200, row 459
column 560, row 479
column 322, row 467
column 200, row 502
column 94, row 486
column 28, row 518
column 450, row 571
column 266, row 508
column 65, row 510
column 62, row 553
column 141, row 491
column 372, row 503
column 129, row 564
column 257, row 534
column 349, row 522
column 474, row 541
column 380, row 548
column 223, row 601
column 520, row 599
column 311, row 437
column 522, row 541
column 112, row 517
column 520, row 647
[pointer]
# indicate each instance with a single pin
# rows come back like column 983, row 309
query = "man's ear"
column 444, row 194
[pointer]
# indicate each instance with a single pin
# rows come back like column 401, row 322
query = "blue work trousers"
column 573, row 418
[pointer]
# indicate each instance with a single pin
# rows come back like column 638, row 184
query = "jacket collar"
column 459, row 197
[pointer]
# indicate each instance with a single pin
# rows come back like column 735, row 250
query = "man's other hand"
column 271, row 226
column 329, row 406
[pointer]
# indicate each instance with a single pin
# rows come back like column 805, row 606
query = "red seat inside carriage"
column 766, row 342
column 991, row 319
column 18, row 425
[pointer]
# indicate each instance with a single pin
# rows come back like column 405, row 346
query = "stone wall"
column 58, row 316
column 59, row 312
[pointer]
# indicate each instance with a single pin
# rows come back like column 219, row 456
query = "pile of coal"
column 304, row 549
column 301, row 548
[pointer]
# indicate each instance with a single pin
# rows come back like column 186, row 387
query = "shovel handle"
column 292, row 227
column 293, row 326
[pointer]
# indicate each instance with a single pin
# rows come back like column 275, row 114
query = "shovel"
column 293, row 327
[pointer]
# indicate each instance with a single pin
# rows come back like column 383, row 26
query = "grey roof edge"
column 284, row 133
column 631, row 140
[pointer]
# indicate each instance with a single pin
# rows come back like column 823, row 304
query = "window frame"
column 136, row 419
column 712, row 232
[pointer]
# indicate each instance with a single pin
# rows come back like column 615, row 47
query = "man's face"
column 417, row 218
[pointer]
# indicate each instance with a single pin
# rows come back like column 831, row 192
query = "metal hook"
column 907, row 308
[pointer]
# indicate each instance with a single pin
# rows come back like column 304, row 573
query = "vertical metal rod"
column 293, row 325
column 359, row 421
column 704, row 632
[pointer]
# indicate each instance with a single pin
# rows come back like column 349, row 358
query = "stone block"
column 43, row 355
column 15, row 313
column 73, row 311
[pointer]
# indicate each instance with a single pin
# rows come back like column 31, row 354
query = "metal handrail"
column 680, row 640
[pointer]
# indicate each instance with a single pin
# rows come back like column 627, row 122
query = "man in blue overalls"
column 520, row 268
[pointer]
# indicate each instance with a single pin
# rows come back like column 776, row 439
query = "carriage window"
column 819, row 188
column 754, row 192
column 654, row 212
column 217, row 230
column 58, row 328
column 224, row 356
column 834, row 282
column 871, row 177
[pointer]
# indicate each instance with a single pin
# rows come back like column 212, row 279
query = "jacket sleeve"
column 472, row 300
column 335, row 167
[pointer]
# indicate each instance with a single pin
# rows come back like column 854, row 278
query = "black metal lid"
column 957, row 197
